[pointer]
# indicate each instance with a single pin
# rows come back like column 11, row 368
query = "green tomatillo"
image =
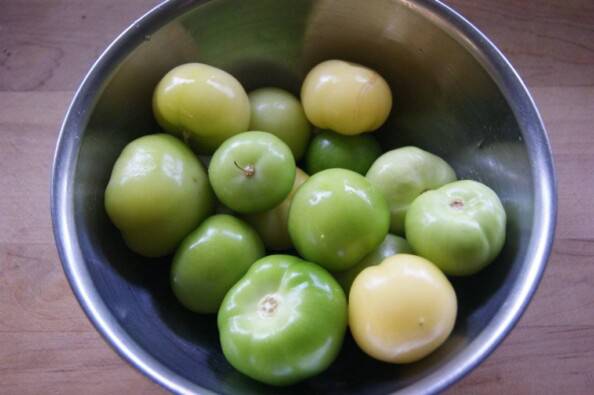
column 329, row 150
column 336, row 218
column 211, row 260
column 403, row 174
column 284, row 321
column 158, row 192
column 252, row 172
column 278, row 112
column 460, row 227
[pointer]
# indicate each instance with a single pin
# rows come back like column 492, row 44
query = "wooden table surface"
column 47, row 345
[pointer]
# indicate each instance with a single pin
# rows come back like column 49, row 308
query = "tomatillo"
column 278, row 112
column 284, row 321
column 460, row 227
column 211, row 260
column 272, row 225
column 345, row 97
column 403, row 174
column 336, row 218
column 402, row 309
column 252, row 172
column 391, row 245
column 203, row 104
column 157, row 193
column 329, row 150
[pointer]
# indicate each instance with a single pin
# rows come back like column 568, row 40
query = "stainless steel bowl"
column 455, row 95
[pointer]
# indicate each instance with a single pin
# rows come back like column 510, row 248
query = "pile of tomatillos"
column 288, row 258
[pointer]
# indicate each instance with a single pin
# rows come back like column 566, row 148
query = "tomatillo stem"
column 248, row 171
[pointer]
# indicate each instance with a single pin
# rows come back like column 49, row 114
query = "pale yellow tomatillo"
column 402, row 309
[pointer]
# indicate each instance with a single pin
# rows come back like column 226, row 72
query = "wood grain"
column 48, row 346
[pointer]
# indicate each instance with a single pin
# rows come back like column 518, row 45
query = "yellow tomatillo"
column 345, row 97
column 402, row 309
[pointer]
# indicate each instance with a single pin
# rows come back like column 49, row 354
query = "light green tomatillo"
column 403, row 174
column 157, row 194
column 460, row 227
column 278, row 112
column 202, row 104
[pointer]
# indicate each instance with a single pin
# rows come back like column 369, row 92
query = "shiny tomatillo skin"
column 402, row 309
column 211, row 260
column 157, row 194
column 329, row 150
column 252, row 172
column 460, row 227
column 336, row 218
column 284, row 321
